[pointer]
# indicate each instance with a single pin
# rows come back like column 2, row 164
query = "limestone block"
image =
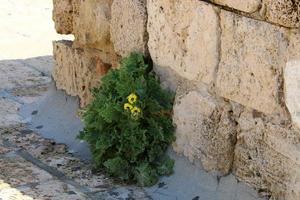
column 205, row 130
column 292, row 77
column 248, row 6
column 183, row 35
column 78, row 70
column 292, row 89
column 294, row 45
column 267, row 156
column 76, row 8
column 129, row 26
column 253, row 57
column 63, row 16
column 283, row 12
column 92, row 25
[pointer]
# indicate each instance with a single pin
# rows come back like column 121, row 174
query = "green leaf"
column 117, row 167
column 165, row 167
column 145, row 175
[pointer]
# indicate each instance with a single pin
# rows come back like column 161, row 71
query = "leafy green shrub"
column 128, row 125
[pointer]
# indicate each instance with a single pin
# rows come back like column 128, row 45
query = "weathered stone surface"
column 292, row 89
column 9, row 112
column 253, row 57
column 292, row 77
column 267, row 156
column 129, row 26
column 25, row 172
column 78, row 70
column 43, row 64
column 92, row 25
column 20, row 178
column 63, row 16
column 283, row 12
column 8, row 192
column 248, row 6
column 16, row 74
column 183, row 35
column 29, row 94
column 294, row 45
column 54, row 189
column 76, row 8
column 204, row 130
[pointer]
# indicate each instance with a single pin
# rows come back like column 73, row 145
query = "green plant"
column 128, row 124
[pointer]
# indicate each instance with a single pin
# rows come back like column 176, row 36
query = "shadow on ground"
column 26, row 85
column 54, row 116
column 24, row 82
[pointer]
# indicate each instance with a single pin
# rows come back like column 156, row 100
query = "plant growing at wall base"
column 128, row 124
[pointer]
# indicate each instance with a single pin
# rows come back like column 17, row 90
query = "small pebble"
column 34, row 112
column 39, row 127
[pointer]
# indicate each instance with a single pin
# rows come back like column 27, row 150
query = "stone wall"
column 234, row 64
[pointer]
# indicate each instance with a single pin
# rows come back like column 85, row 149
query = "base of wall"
column 57, row 116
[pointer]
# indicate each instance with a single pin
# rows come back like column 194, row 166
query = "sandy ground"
column 26, row 29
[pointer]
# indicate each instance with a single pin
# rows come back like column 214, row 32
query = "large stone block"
column 76, row 8
column 205, row 130
column 248, row 6
column 283, row 12
column 253, row 57
column 63, row 16
column 78, row 70
column 183, row 35
column 91, row 27
column 129, row 26
column 292, row 77
column 292, row 89
column 267, row 156
column 294, row 45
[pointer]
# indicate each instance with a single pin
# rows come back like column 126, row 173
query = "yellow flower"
column 128, row 106
column 132, row 98
column 135, row 110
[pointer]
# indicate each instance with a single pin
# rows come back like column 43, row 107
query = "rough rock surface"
column 63, row 16
column 267, row 155
column 283, row 12
column 8, row 111
column 46, row 170
column 294, row 45
column 29, row 174
column 76, row 8
column 15, row 74
column 92, row 25
column 205, row 130
column 77, row 71
column 291, row 77
column 183, row 35
column 253, row 57
column 129, row 26
column 248, row 6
